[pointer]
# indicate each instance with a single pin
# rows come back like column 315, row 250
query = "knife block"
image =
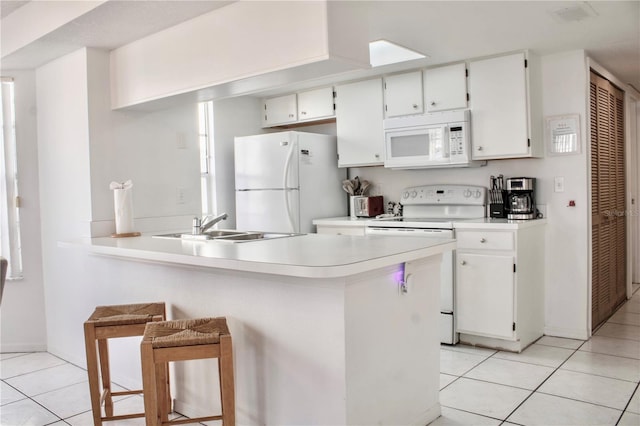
column 497, row 206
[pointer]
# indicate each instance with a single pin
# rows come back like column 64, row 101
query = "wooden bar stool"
column 183, row 340
column 108, row 322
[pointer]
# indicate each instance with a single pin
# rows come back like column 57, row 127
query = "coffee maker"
column 521, row 201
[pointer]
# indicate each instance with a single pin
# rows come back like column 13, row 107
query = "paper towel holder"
column 123, row 203
column 126, row 235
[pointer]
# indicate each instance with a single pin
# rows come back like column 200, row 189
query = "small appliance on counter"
column 360, row 204
column 497, row 196
column 364, row 206
column 521, row 202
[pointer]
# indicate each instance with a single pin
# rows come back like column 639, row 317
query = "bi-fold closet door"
column 608, row 205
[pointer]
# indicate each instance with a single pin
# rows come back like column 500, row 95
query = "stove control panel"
column 444, row 194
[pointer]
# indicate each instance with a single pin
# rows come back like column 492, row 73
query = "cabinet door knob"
column 415, row 106
column 433, row 103
column 377, row 155
column 303, row 112
column 479, row 148
column 464, row 262
column 290, row 115
column 482, row 240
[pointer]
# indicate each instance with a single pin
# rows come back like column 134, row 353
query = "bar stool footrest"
column 123, row 417
column 129, row 392
column 192, row 420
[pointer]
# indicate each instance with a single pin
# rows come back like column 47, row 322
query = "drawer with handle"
column 485, row 240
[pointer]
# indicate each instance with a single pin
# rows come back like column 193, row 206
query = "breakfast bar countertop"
column 308, row 255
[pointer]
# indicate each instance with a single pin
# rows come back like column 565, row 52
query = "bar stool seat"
column 108, row 322
column 183, row 340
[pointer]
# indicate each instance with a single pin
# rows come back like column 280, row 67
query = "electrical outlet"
column 558, row 184
column 181, row 195
column 181, row 140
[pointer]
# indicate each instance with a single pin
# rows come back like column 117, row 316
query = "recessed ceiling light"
column 384, row 52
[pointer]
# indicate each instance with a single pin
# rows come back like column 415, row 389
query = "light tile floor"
column 553, row 382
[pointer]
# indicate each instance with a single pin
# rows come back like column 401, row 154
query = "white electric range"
column 429, row 212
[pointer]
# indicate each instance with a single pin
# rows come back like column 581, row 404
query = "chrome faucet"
column 201, row 225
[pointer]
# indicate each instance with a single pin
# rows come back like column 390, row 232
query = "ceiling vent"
column 576, row 12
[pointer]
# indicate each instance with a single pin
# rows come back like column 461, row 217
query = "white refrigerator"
column 285, row 180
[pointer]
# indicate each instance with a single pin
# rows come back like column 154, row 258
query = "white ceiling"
column 447, row 31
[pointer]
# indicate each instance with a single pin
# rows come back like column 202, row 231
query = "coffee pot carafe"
column 521, row 198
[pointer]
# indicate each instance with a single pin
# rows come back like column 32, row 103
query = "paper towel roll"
column 123, row 202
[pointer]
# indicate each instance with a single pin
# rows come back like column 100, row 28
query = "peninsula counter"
column 327, row 330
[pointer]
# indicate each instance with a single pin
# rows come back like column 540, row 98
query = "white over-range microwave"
column 429, row 140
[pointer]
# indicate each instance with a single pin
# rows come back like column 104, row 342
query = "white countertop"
column 489, row 223
column 309, row 256
column 481, row 223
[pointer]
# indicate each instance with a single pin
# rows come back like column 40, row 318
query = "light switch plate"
column 558, row 184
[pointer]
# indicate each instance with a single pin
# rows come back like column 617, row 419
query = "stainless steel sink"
column 210, row 235
column 232, row 236
column 243, row 237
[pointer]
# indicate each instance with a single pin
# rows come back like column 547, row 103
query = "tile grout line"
column 543, row 382
column 628, row 403
column 37, row 403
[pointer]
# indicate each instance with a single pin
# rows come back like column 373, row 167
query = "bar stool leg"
column 227, row 391
column 149, row 385
column 103, row 355
column 161, row 380
column 92, row 369
column 169, row 404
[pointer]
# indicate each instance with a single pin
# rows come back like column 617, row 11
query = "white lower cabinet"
column 499, row 289
column 485, row 294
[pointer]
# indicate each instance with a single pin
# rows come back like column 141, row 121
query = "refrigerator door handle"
column 287, row 167
column 287, row 205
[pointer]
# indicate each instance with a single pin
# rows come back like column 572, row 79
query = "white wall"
column 22, row 316
column 232, row 117
column 65, row 195
column 82, row 146
column 158, row 151
column 564, row 83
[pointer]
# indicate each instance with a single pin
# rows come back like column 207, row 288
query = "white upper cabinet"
column 359, row 115
column 403, row 94
column 315, row 104
column 280, row 110
column 445, row 87
column 311, row 105
column 501, row 106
